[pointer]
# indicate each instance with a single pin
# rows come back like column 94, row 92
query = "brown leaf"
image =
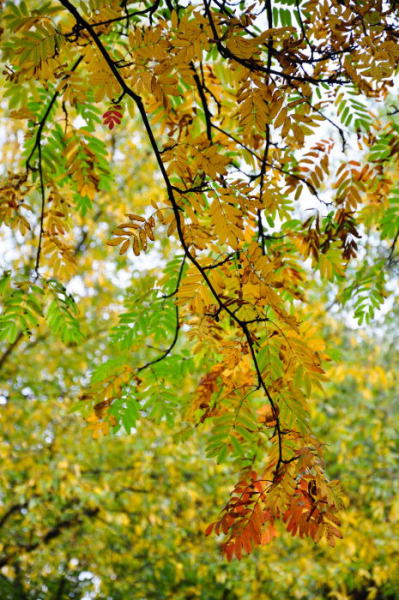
column 136, row 248
column 124, row 247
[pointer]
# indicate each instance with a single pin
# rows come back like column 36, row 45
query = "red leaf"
column 113, row 116
column 238, row 548
column 229, row 551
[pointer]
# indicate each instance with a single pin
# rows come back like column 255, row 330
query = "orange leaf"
column 135, row 217
column 238, row 548
column 124, row 247
column 229, row 551
column 136, row 248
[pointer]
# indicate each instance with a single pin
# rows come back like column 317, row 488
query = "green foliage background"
column 123, row 517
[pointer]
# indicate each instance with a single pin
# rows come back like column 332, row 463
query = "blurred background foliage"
column 123, row 516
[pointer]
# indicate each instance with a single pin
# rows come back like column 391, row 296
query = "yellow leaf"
column 116, row 241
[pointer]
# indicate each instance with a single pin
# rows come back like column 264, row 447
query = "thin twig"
column 271, row 165
column 390, row 256
column 43, row 120
column 179, row 276
column 168, row 350
column 43, row 203
column 126, row 17
column 207, row 112
column 9, row 349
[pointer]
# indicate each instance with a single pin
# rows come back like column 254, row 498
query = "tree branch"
column 177, row 213
column 254, row 66
column 392, row 250
column 13, row 509
column 10, row 348
column 168, row 350
column 207, row 112
column 45, row 116
column 51, row 534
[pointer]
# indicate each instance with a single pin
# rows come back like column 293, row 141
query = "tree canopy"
column 188, row 191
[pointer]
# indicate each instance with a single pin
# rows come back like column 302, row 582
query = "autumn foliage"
column 271, row 153
column 112, row 116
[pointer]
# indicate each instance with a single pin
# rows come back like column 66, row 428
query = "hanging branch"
column 177, row 214
column 43, row 203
